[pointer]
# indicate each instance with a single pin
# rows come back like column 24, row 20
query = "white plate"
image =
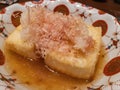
column 110, row 37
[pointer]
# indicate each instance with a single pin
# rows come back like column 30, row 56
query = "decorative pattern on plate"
column 9, row 83
column 10, row 16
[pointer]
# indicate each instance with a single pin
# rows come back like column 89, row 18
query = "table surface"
column 109, row 6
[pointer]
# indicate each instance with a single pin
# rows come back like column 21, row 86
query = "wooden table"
column 110, row 6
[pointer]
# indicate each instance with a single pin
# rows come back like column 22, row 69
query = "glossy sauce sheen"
column 37, row 76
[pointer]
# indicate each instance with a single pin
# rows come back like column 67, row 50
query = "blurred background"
column 110, row 6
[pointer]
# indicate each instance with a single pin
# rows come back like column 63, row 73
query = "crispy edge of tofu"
column 17, row 45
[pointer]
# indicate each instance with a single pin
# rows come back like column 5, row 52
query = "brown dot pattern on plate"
column 112, row 67
column 2, row 58
column 62, row 8
column 102, row 24
column 15, row 18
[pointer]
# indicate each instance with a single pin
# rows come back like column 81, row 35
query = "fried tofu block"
column 82, row 66
column 16, row 44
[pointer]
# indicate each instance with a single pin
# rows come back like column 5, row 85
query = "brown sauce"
column 36, row 76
